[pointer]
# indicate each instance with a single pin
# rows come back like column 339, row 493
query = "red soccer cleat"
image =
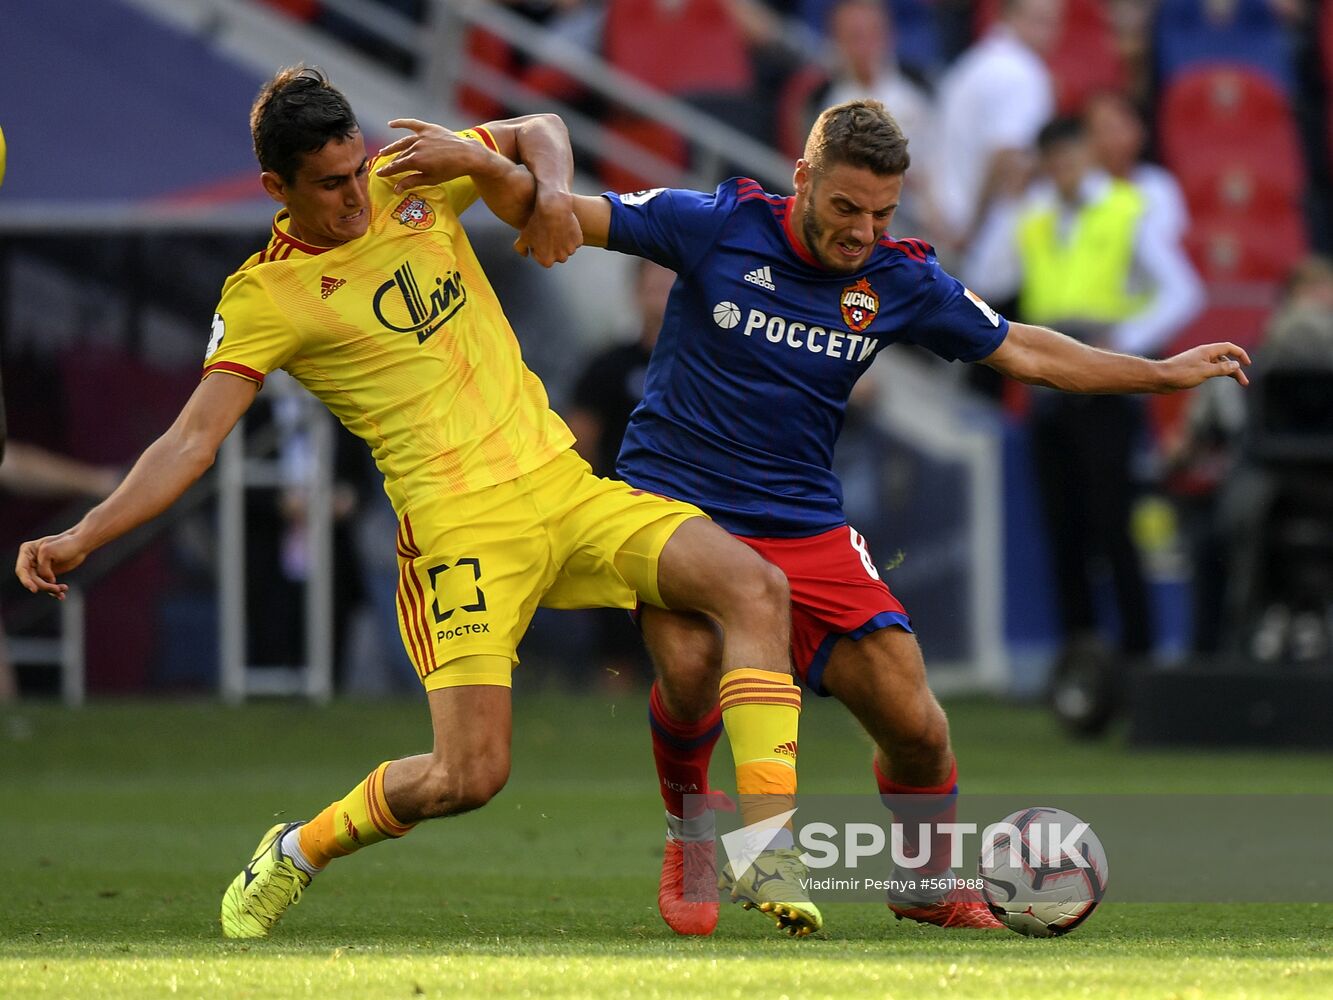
column 687, row 892
column 961, row 908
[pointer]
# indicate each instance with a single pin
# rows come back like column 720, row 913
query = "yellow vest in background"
column 1085, row 276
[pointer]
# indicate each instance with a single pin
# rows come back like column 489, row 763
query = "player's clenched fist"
column 553, row 233
column 42, row 560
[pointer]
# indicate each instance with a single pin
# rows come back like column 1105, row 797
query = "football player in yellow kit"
column 370, row 295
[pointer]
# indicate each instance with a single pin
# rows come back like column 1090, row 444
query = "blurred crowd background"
column 1144, row 174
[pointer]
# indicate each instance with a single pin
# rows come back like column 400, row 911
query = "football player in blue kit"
column 780, row 304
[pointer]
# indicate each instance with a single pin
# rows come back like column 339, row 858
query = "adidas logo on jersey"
column 327, row 286
column 762, row 277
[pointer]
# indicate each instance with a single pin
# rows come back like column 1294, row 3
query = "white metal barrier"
column 237, row 472
column 66, row 651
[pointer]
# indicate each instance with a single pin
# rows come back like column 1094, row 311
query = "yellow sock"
column 761, row 711
column 360, row 818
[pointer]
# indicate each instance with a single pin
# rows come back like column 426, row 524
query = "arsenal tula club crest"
column 414, row 213
column 860, row 305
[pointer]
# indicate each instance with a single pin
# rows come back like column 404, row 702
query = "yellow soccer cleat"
column 263, row 890
column 772, row 885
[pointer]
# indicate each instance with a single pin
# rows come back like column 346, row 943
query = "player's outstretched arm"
column 163, row 472
column 1038, row 356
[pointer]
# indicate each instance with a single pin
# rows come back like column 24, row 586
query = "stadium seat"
column 1240, row 249
column 1226, row 113
column 653, row 137
column 491, row 51
column 554, row 83
column 1215, row 188
column 1086, row 58
column 1189, row 33
column 684, row 48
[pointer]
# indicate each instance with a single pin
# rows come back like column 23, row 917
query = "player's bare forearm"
column 1039, row 356
column 542, row 145
column 594, row 215
column 163, row 472
column 550, row 235
column 166, row 469
column 507, row 188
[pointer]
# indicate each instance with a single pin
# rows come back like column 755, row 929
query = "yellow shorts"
column 474, row 569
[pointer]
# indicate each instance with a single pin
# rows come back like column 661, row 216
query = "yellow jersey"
column 401, row 336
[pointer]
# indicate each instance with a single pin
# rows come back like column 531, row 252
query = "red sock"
column 682, row 751
column 916, row 805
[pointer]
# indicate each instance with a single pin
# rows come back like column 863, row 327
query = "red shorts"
column 835, row 591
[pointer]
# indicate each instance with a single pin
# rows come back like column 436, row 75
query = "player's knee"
column 459, row 787
column 688, row 690
column 759, row 591
column 924, row 734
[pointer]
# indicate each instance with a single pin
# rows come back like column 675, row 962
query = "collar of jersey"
column 282, row 236
column 795, row 244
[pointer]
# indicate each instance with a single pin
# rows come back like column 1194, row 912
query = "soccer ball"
column 1043, row 871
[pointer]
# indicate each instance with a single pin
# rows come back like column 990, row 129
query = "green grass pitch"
column 123, row 823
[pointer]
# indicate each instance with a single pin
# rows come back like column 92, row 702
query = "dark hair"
column 860, row 134
column 297, row 112
column 1059, row 131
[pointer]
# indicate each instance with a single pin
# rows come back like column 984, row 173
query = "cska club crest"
column 860, row 305
column 414, row 213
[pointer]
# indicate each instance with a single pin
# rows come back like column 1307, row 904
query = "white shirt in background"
column 1165, row 208
column 997, row 96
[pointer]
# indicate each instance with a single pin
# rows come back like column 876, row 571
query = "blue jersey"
column 760, row 347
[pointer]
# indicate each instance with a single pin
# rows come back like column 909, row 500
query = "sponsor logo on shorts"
column 461, row 630
column 477, row 604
